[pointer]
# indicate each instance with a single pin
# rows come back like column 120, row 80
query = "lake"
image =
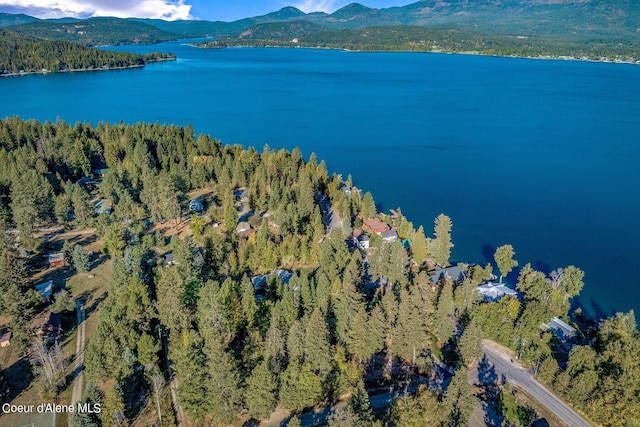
column 540, row 154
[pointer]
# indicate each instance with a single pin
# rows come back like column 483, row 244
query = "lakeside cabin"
column 495, row 291
column 561, row 330
column 453, row 273
column 375, row 225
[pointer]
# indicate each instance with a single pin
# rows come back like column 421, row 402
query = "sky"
column 212, row 10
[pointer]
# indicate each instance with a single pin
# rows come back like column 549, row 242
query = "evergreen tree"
column 419, row 246
column 441, row 246
column 459, row 400
column 190, row 362
column 318, row 354
column 260, row 393
column 444, row 322
column 368, row 209
column 81, row 202
column 80, row 259
column 470, row 344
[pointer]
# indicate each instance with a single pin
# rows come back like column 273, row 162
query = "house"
column 100, row 172
column 241, row 195
column 363, row 241
column 102, row 206
column 260, row 282
column 244, row 229
column 45, row 289
column 53, row 325
column 195, row 205
column 389, row 236
column 56, row 259
column 5, row 340
column 453, row 273
column 495, row 291
column 375, row 225
column 168, row 259
column 560, row 329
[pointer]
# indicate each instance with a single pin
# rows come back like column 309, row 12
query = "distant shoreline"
column 78, row 70
column 472, row 53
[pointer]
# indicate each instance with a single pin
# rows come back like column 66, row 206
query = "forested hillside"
column 19, row 54
column 95, row 31
column 265, row 302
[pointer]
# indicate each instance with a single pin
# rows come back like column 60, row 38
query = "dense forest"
column 422, row 39
column 95, row 31
column 19, row 54
column 344, row 321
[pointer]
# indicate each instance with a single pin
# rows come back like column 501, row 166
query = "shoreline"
column 80, row 70
column 472, row 53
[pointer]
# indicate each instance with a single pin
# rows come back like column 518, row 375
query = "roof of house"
column 241, row 193
column 102, row 206
column 260, row 281
column 56, row 257
column 5, row 337
column 45, row 289
column 168, row 258
column 389, row 235
column 54, row 320
column 494, row 291
column 100, row 171
column 375, row 225
column 453, row 272
column 561, row 329
column 195, row 205
column 243, row 226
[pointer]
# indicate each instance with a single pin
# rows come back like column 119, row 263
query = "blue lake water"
column 540, row 154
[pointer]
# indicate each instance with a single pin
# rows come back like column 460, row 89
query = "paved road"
column 517, row 375
column 78, row 367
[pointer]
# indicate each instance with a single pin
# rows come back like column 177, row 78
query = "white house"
column 560, row 329
column 495, row 291
column 389, row 236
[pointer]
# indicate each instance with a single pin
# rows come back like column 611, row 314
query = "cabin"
column 363, row 242
column 260, row 282
column 389, row 236
column 494, row 291
column 168, row 259
column 100, row 172
column 195, row 205
column 241, row 195
column 45, row 289
column 375, row 225
column 560, row 329
column 244, row 229
column 5, row 340
column 102, row 206
column 56, row 259
column 53, row 325
column 453, row 273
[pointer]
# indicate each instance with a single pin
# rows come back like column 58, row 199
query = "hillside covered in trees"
column 265, row 302
column 19, row 54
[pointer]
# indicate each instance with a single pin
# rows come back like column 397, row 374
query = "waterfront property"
column 494, row 291
column 561, row 329
column 453, row 273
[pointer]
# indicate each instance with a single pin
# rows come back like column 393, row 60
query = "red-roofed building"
column 375, row 226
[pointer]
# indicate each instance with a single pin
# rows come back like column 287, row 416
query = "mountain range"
column 574, row 19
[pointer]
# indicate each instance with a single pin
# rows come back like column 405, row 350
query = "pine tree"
column 260, row 393
column 459, row 400
column 80, row 259
column 190, row 361
column 368, row 209
column 441, row 246
column 81, row 202
column 444, row 322
column 470, row 344
column 224, row 389
column 318, row 354
column 419, row 246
